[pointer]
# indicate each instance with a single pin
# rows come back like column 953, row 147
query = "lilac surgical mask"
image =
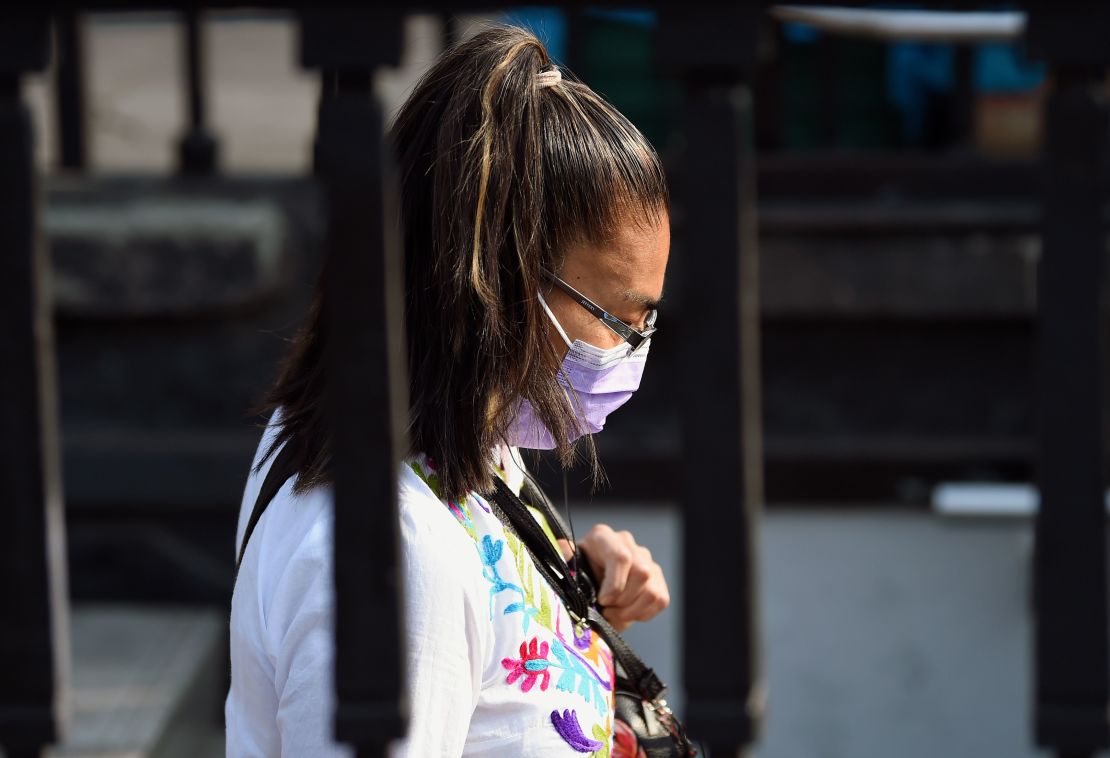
column 598, row 381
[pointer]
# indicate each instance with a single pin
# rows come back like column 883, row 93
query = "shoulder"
column 438, row 532
column 295, row 539
column 288, row 563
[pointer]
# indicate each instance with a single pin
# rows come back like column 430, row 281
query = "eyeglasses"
column 636, row 338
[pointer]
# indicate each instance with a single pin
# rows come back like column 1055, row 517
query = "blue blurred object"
column 915, row 73
column 918, row 71
column 549, row 22
column 638, row 17
column 1000, row 67
column 800, row 34
column 546, row 22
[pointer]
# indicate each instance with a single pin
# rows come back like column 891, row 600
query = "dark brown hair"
column 498, row 176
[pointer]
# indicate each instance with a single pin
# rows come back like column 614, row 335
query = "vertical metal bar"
column 577, row 28
column 69, row 91
column 452, row 29
column 963, row 97
column 363, row 335
column 830, row 95
column 721, row 415
column 198, row 149
column 367, row 397
column 1071, row 647
column 767, row 90
column 194, row 67
column 32, row 569
column 714, row 53
column 1073, row 691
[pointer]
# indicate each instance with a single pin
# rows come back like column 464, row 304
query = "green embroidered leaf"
column 526, row 580
column 418, row 471
column 601, row 736
column 544, row 616
column 428, row 477
column 466, row 510
column 537, row 514
column 519, row 555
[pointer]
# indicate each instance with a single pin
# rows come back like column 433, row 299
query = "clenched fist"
column 632, row 586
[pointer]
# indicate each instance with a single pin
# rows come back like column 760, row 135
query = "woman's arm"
column 447, row 639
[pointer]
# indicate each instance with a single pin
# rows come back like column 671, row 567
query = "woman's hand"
column 632, row 584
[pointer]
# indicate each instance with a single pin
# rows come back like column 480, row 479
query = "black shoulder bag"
column 638, row 692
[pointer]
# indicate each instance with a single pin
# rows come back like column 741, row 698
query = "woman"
column 535, row 220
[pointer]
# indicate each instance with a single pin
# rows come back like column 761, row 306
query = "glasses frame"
column 636, row 338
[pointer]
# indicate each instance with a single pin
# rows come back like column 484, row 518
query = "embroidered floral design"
column 532, row 665
column 462, row 513
column 427, row 475
column 601, row 734
column 582, row 642
column 579, row 665
column 578, row 677
column 528, row 605
column 590, row 660
column 571, row 731
column 490, row 551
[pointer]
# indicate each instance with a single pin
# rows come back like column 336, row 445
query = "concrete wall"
column 886, row 632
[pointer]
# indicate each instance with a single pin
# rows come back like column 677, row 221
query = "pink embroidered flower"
column 532, row 665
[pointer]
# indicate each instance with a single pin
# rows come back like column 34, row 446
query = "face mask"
column 598, row 382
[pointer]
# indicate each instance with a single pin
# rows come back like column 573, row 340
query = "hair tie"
column 549, row 78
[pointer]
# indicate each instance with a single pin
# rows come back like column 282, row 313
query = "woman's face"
column 623, row 276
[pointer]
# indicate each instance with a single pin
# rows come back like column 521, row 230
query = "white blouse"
column 495, row 666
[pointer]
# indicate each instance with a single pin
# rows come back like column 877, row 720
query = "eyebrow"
column 648, row 302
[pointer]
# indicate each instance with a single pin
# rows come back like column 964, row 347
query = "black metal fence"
column 712, row 51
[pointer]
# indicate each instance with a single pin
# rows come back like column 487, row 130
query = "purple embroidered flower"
column 582, row 642
column 571, row 731
column 532, row 665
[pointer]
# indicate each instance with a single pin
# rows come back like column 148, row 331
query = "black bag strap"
column 644, row 680
column 280, row 471
column 515, row 516
column 530, row 492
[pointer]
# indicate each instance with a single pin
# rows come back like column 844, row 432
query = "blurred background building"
column 897, row 220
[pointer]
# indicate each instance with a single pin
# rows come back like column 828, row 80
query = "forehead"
column 634, row 257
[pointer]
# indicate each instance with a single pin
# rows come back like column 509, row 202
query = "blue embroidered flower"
column 491, row 550
column 571, row 731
